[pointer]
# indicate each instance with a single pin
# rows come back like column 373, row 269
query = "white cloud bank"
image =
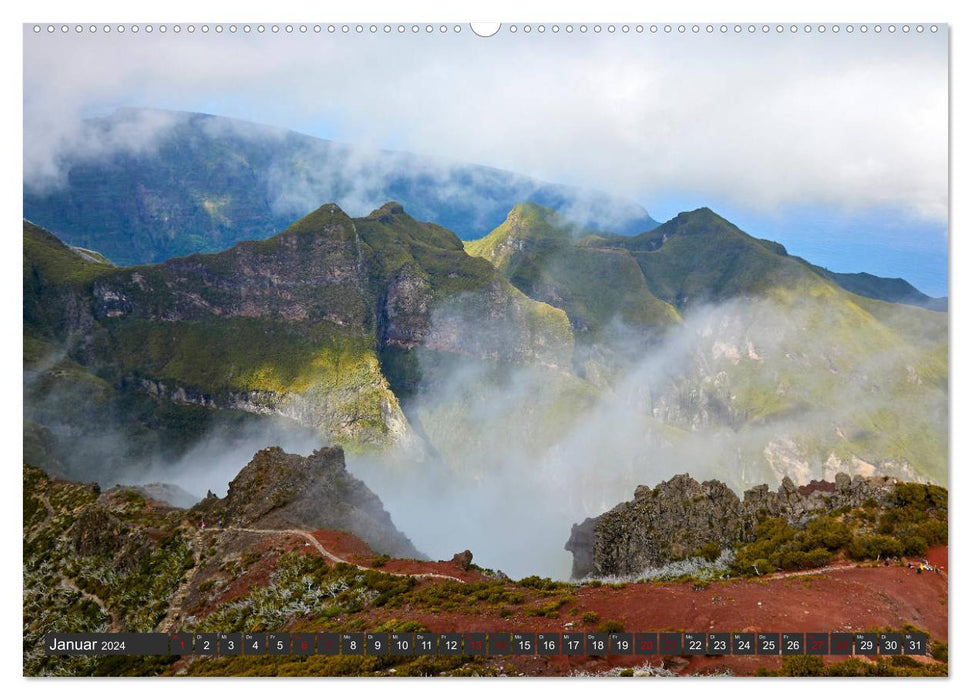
column 844, row 121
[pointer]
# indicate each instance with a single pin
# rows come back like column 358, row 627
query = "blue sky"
column 835, row 145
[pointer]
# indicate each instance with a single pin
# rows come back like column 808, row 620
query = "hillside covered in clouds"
column 141, row 186
column 548, row 366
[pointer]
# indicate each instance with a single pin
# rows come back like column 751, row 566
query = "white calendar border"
column 509, row 11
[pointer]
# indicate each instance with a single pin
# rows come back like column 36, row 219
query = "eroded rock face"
column 308, row 273
column 277, row 490
column 97, row 531
column 405, row 309
column 681, row 515
column 463, row 560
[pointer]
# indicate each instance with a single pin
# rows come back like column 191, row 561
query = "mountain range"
column 142, row 186
column 330, row 325
column 546, row 362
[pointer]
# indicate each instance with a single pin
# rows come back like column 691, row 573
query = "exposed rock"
column 463, row 560
column 404, row 314
column 277, row 490
column 677, row 517
column 285, row 277
column 96, row 531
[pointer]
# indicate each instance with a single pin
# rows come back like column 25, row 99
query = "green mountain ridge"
column 554, row 261
column 692, row 345
column 200, row 183
column 695, row 258
column 296, row 326
column 783, row 341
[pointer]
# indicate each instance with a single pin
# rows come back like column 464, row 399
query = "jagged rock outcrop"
column 463, row 559
column 679, row 516
column 97, row 531
column 277, row 490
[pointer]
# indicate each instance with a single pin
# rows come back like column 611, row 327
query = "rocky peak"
column 278, row 490
column 309, row 272
column 388, row 212
column 679, row 516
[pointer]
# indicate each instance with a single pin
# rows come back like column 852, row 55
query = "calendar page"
column 519, row 349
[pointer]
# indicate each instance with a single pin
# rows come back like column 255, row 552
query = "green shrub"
column 827, row 533
column 540, row 584
column 611, row 626
column 874, row 547
column 710, row 551
column 913, row 545
column 589, row 618
column 802, row 666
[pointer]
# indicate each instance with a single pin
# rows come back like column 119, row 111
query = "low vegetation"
column 895, row 666
column 915, row 520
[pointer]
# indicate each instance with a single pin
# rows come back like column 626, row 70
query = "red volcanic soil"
column 937, row 556
column 842, row 597
column 258, row 572
column 347, row 546
column 414, row 567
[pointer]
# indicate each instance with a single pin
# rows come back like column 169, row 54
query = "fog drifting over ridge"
column 862, row 123
column 519, row 454
column 511, row 498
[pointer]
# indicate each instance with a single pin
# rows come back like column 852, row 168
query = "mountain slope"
column 296, row 328
column 896, row 290
column 773, row 369
column 698, row 257
column 552, row 260
column 199, row 183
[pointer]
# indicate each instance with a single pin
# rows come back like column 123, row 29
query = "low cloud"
column 847, row 122
column 526, row 453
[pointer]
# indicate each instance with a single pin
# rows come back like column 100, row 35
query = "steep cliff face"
column 303, row 327
column 277, row 490
column 679, row 516
column 309, row 272
column 432, row 294
column 405, row 318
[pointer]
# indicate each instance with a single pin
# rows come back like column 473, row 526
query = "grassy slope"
column 211, row 356
column 393, row 240
column 73, row 383
column 335, row 367
column 825, row 343
column 895, row 356
column 699, row 257
column 554, row 261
